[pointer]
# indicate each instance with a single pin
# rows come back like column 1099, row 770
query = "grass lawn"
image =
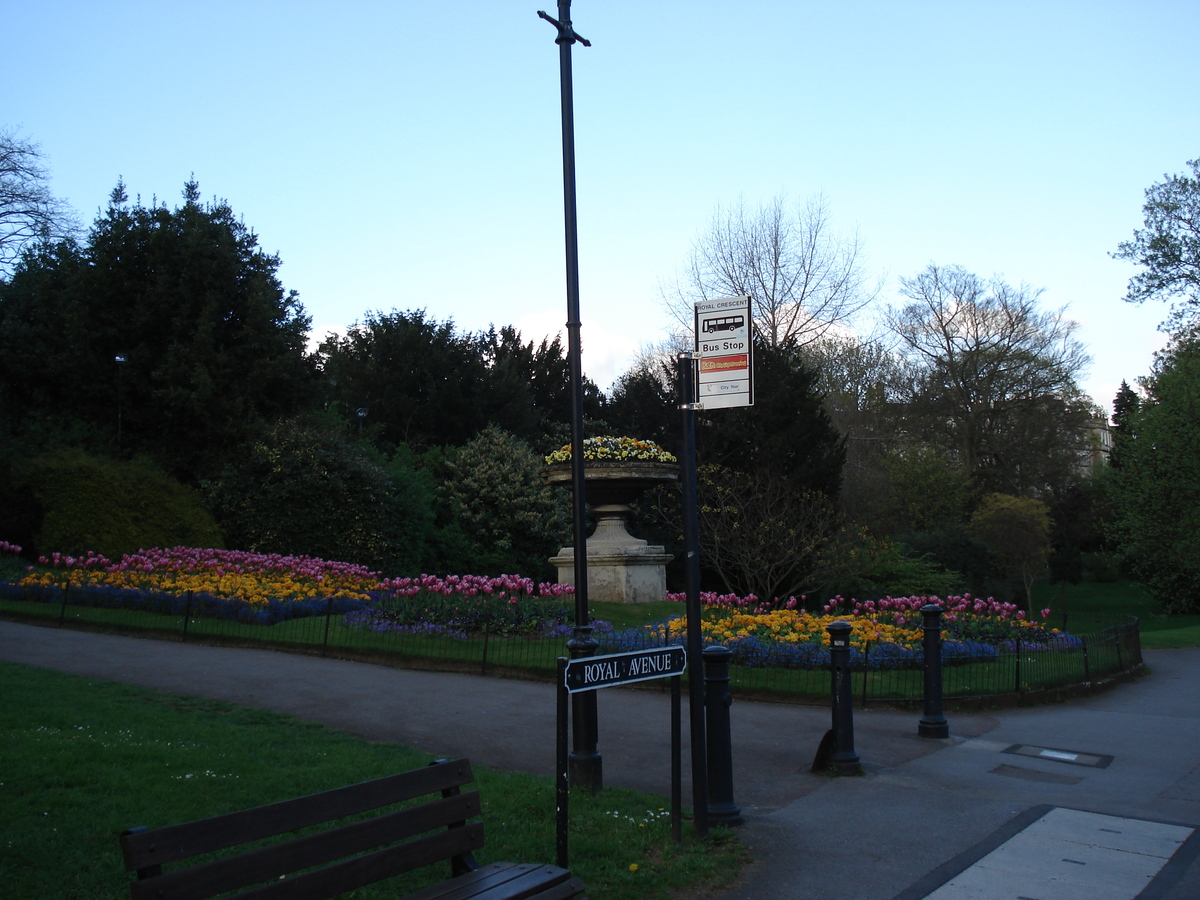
column 81, row 760
column 1087, row 604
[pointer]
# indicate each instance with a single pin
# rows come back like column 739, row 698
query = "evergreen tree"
column 1156, row 489
column 169, row 325
column 787, row 432
column 1125, row 408
column 1168, row 247
column 422, row 383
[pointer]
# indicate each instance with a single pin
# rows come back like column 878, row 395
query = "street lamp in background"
column 119, row 359
column 361, row 412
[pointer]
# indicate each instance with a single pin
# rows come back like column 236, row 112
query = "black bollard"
column 717, row 700
column 844, row 760
column 933, row 724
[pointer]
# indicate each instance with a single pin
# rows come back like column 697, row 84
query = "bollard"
column 717, row 700
column 843, row 759
column 933, row 724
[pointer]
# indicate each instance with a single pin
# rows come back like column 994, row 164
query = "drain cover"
column 1054, row 754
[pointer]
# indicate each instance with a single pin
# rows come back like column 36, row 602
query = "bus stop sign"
column 725, row 353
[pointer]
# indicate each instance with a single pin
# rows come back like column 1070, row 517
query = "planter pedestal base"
column 621, row 568
column 638, row 575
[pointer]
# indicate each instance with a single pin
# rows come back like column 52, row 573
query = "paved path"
column 1096, row 799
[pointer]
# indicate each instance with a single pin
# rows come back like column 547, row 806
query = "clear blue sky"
column 405, row 155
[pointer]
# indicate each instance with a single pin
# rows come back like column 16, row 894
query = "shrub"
column 88, row 503
column 867, row 566
column 303, row 489
column 1104, row 568
column 494, row 494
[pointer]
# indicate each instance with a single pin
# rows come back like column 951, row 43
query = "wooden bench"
column 340, row 857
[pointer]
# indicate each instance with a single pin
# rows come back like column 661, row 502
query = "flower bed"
column 517, row 627
column 264, row 589
column 885, row 634
column 457, row 606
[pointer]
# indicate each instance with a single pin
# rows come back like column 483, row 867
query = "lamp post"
column 119, row 359
column 361, row 412
column 585, row 761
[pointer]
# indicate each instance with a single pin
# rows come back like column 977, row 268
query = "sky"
column 406, row 154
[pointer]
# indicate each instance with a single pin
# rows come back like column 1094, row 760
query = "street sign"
column 725, row 353
column 592, row 672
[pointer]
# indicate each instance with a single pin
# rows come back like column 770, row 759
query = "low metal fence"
column 1014, row 669
column 879, row 673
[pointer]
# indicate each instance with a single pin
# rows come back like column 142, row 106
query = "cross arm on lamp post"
column 566, row 34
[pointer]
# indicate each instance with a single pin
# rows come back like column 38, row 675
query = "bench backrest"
column 350, row 855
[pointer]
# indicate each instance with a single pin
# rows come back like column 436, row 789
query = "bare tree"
column 803, row 278
column 28, row 211
column 760, row 535
column 994, row 376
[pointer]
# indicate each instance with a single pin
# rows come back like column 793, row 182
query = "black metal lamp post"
column 585, row 760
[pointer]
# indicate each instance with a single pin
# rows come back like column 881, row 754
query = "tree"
column 1155, row 493
column 1168, row 247
column 774, row 471
column 301, row 488
column 803, row 279
column 862, row 382
column 422, row 383
column 493, row 489
column 29, row 213
column 993, row 378
column 1125, row 408
column 170, row 325
column 787, row 432
column 761, row 536
column 645, row 404
column 528, row 391
column 1017, row 532
column 926, row 491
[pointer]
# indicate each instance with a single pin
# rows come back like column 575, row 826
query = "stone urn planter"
column 621, row 568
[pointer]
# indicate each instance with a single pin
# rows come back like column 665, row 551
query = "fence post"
column 866, row 670
column 328, row 616
column 717, row 700
column 1087, row 669
column 840, row 739
column 62, row 613
column 187, row 616
column 1018, row 687
column 933, row 724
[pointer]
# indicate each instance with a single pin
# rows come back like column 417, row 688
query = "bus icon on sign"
column 724, row 323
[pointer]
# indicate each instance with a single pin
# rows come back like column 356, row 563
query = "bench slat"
column 174, row 842
column 506, row 881
column 265, row 863
column 348, row 875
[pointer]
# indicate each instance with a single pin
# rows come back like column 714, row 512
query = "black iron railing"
column 879, row 673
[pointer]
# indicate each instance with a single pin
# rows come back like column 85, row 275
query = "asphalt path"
column 965, row 816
